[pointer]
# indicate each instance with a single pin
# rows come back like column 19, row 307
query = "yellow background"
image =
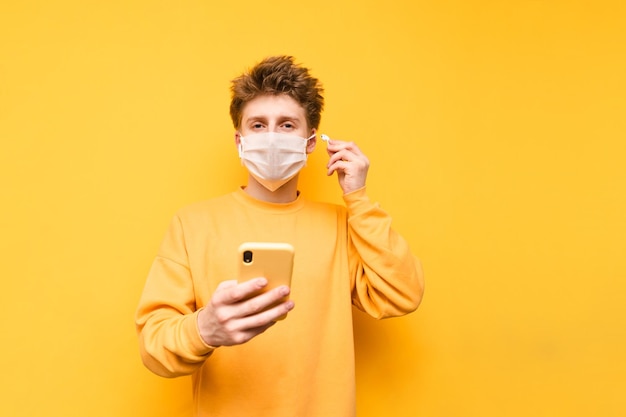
column 496, row 135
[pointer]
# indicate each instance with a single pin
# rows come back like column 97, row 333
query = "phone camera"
column 247, row 256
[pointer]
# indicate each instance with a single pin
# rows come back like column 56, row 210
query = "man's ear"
column 237, row 138
column 310, row 146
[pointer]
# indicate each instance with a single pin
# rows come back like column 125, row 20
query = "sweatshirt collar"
column 244, row 198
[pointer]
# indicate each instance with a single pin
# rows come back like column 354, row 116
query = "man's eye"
column 257, row 126
column 288, row 126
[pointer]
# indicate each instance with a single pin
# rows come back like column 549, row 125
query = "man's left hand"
column 350, row 164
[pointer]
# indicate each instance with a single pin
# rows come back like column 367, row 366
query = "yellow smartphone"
column 271, row 260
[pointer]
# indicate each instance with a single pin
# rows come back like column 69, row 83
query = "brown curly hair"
column 278, row 75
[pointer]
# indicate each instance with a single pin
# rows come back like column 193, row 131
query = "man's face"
column 271, row 113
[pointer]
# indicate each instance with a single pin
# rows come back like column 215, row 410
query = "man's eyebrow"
column 285, row 117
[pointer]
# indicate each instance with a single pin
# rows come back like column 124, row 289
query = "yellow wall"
column 496, row 133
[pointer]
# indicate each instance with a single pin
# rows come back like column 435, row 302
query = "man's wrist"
column 205, row 345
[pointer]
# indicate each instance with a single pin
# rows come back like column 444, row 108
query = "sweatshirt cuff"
column 198, row 345
column 358, row 202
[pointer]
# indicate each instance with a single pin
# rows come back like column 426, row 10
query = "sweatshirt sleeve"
column 386, row 278
column 166, row 318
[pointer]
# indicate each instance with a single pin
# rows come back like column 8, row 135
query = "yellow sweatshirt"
column 304, row 365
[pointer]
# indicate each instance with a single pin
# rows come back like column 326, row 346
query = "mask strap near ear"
column 240, row 147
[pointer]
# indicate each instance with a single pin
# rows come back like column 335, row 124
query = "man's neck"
column 285, row 194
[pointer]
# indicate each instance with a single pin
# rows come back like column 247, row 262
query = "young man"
column 194, row 318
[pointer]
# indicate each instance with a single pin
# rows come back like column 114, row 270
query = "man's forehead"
column 281, row 106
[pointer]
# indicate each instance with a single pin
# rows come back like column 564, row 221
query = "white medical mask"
column 273, row 158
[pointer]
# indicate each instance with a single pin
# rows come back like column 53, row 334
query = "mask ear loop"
column 240, row 147
column 308, row 139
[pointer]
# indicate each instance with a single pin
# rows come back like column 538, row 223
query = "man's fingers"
column 336, row 146
column 239, row 312
column 230, row 292
column 263, row 301
column 244, row 336
column 245, row 299
column 345, row 152
column 226, row 284
column 265, row 318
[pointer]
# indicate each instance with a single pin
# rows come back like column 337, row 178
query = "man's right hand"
column 233, row 318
